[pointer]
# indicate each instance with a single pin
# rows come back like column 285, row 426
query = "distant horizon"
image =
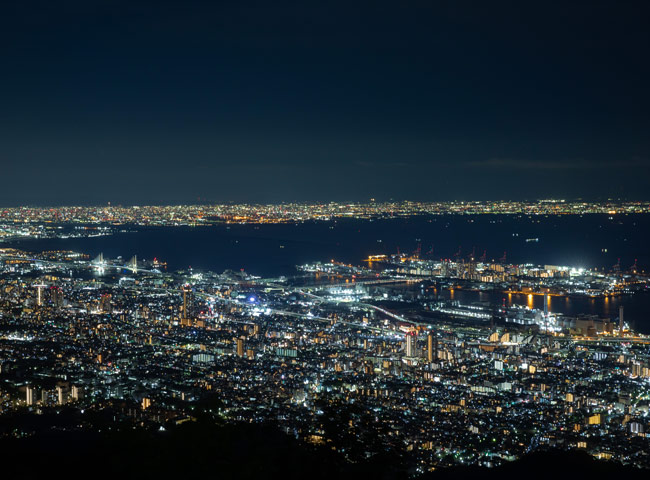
column 324, row 202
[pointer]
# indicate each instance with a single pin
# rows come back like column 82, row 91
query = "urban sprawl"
column 298, row 212
column 362, row 359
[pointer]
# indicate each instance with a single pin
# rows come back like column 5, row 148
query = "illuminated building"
column 240, row 347
column 432, row 347
column 39, row 294
column 186, row 314
column 410, row 344
column 56, row 295
column 105, row 303
column 594, row 419
column 620, row 320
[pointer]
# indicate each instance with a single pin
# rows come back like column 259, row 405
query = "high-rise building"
column 186, row 317
column 240, row 347
column 432, row 347
column 594, row 419
column 105, row 303
column 545, row 305
column 410, row 344
column 620, row 320
column 29, row 395
column 39, row 294
column 56, row 295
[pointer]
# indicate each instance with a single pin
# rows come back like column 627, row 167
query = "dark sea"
column 273, row 250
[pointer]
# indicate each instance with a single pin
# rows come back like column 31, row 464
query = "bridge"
column 370, row 281
column 98, row 263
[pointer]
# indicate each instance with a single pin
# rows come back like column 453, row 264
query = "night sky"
column 169, row 102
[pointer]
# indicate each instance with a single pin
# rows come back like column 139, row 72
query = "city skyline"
column 394, row 354
column 324, row 239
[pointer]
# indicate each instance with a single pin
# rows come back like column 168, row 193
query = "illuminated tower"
column 185, row 320
column 546, row 300
column 430, row 347
column 240, row 347
column 435, row 346
column 620, row 320
column 39, row 294
column 133, row 264
column 546, row 305
column 410, row 344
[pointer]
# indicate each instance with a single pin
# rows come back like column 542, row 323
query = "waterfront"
column 151, row 349
column 274, row 250
column 270, row 250
column 636, row 306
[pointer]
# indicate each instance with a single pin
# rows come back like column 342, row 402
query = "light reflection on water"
column 273, row 250
column 636, row 306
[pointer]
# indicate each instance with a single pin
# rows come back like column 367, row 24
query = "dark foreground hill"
column 199, row 450
column 548, row 465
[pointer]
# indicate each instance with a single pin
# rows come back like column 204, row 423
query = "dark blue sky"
column 165, row 102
